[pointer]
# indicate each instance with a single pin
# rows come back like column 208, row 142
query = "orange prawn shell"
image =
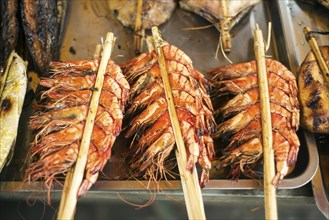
column 241, row 115
column 61, row 116
column 193, row 107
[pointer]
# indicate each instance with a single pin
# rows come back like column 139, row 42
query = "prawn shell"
column 151, row 126
column 239, row 128
column 61, row 117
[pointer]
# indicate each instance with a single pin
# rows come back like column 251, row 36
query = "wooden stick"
column 69, row 175
column 317, row 53
column 225, row 27
column 150, row 43
column 68, row 180
column 267, row 141
column 139, row 33
column 98, row 50
column 67, row 209
column 190, row 185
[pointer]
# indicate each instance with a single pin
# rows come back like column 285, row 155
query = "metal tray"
column 297, row 16
column 88, row 21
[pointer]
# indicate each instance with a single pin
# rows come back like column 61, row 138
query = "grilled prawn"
column 61, row 116
column 152, row 123
column 239, row 129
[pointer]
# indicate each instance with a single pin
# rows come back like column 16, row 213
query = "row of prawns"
column 65, row 96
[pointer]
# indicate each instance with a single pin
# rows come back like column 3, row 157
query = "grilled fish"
column 214, row 10
column 314, row 94
column 8, row 29
column 222, row 14
column 13, row 84
column 154, row 12
column 40, row 25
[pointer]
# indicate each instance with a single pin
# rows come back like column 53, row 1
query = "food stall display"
column 217, row 103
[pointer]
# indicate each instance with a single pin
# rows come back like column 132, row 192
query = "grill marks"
column 9, row 28
column 314, row 94
column 39, row 19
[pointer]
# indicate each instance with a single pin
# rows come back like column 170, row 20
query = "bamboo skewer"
column 69, row 197
column 225, row 27
column 316, row 51
column 190, row 185
column 69, row 175
column 68, row 180
column 139, row 33
column 267, row 140
column 150, row 43
column 98, row 50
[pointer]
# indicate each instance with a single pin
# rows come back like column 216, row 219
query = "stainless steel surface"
column 297, row 16
column 320, row 182
column 220, row 207
column 320, row 193
column 88, row 21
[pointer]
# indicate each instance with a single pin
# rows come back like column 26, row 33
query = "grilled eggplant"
column 8, row 29
column 40, row 25
column 314, row 94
